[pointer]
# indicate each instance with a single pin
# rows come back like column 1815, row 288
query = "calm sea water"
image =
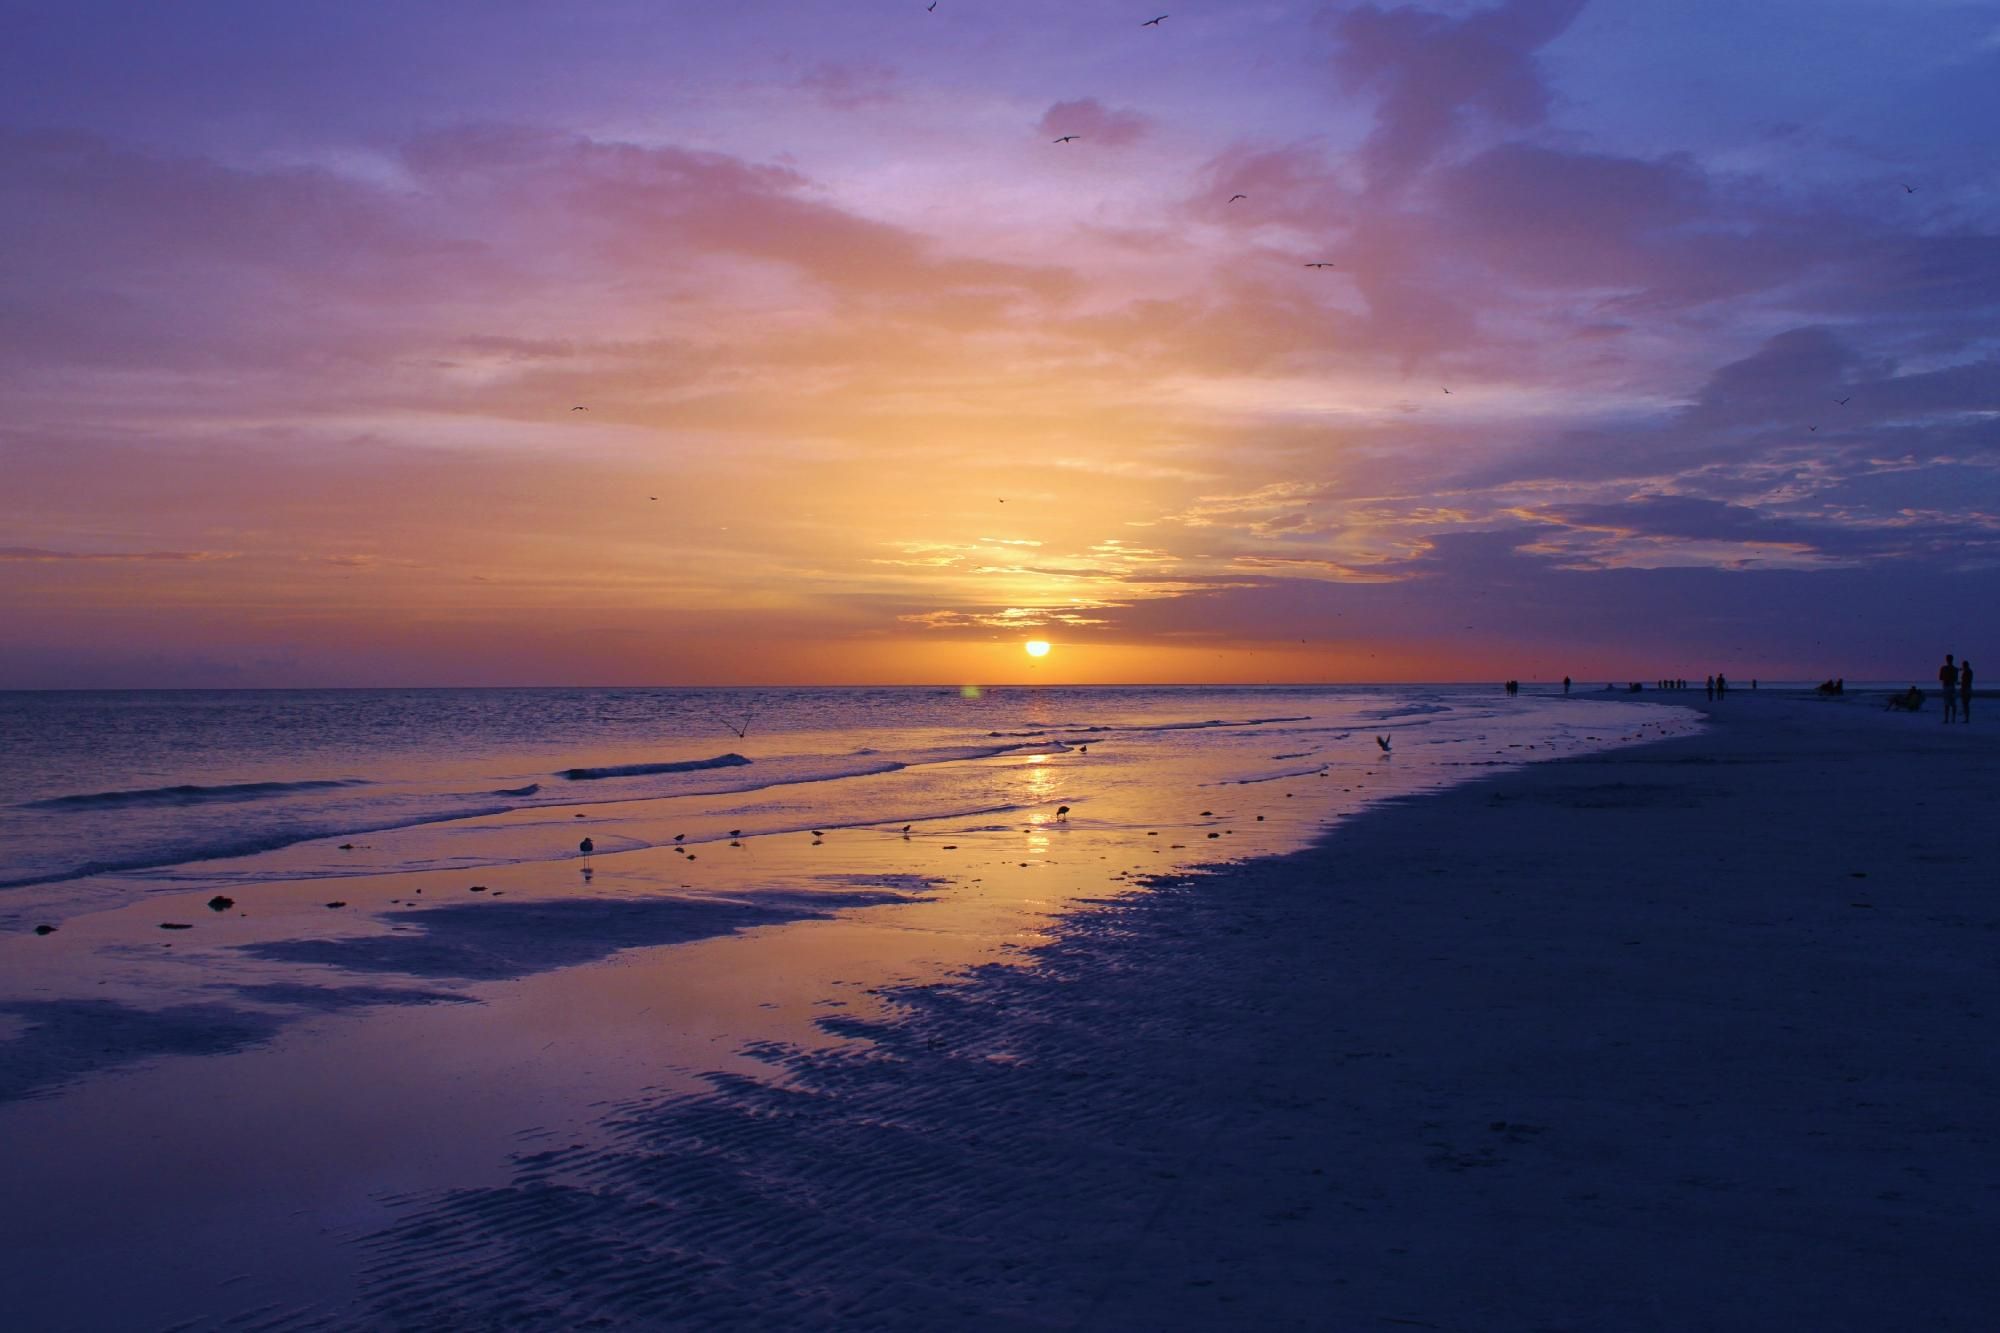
column 151, row 788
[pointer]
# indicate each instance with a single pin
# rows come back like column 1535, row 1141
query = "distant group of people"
column 1954, row 683
column 1836, row 685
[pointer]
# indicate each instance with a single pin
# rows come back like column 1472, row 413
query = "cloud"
column 847, row 86
column 1096, row 123
column 1434, row 73
column 37, row 555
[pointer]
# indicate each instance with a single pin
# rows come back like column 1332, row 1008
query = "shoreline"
column 1705, row 1093
column 1466, row 1062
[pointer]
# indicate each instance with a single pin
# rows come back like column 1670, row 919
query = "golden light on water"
column 1037, row 647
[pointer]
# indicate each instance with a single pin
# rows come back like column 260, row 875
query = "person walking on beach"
column 1721, row 685
column 1565, row 684
column 1965, row 691
column 1948, row 682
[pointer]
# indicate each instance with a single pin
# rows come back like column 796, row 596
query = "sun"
column 1037, row 647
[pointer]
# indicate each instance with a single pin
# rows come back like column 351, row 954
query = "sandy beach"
column 1692, row 1034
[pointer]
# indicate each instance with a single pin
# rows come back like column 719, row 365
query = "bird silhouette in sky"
column 931, row 6
column 1319, row 264
column 1154, row 23
column 652, row 497
column 1845, row 401
column 1067, row 137
column 1443, row 389
column 1909, row 189
column 1234, row 197
column 579, row 409
column 1812, row 427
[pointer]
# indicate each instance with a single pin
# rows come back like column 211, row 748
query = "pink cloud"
column 1094, row 122
column 37, row 555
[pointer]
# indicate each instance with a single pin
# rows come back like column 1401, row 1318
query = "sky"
column 1549, row 337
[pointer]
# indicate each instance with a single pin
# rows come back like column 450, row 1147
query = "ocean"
column 114, row 793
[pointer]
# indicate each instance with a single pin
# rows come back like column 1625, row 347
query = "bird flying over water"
column 579, row 409
column 1442, row 388
column 1909, row 189
column 932, row 5
column 1321, row 263
column 1234, row 197
column 1154, row 23
column 1066, row 138
column 1383, row 741
column 1845, row 401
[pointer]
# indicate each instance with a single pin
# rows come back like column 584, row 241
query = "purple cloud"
column 1434, row 73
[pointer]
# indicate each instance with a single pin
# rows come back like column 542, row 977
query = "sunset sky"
column 1658, row 338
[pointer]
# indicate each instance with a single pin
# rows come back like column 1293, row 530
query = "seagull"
column 1234, row 197
column 1066, row 138
column 1320, row 264
column 652, row 497
column 1444, row 389
column 1062, row 812
column 931, row 6
column 1845, row 401
column 1154, row 23
column 1383, row 741
column 1909, row 189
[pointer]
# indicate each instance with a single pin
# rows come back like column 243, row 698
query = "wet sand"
column 1696, row 1034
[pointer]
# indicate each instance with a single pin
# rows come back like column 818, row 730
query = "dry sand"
column 1696, row 1035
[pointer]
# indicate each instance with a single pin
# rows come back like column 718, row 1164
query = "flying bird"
column 1234, row 197
column 1066, row 138
column 579, row 409
column 1320, row 264
column 1845, row 401
column 1909, row 189
column 1383, row 741
column 1441, row 387
column 931, row 6
column 1154, row 23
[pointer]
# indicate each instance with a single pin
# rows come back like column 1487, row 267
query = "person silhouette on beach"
column 1721, row 685
column 1565, row 684
column 1948, row 682
column 1965, row 691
